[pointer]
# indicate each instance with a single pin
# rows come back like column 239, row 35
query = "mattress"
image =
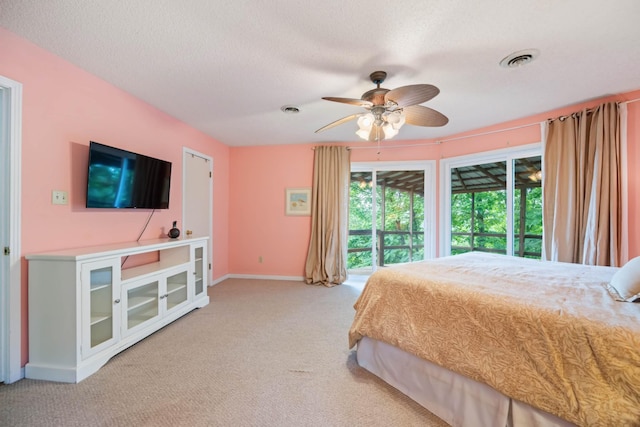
column 542, row 333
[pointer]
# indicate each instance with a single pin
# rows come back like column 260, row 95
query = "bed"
column 492, row 340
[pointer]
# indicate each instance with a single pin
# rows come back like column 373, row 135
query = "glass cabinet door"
column 176, row 290
column 99, row 288
column 199, row 273
column 142, row 302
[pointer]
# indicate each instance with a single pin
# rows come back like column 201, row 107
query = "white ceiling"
column 226, row 67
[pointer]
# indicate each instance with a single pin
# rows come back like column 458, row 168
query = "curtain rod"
column 592, row 109
column 487, row 133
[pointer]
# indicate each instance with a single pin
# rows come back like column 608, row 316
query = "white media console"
column 84, row 307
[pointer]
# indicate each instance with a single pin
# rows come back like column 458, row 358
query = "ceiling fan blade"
column 351, row 101
column 339, row 122
column 419, row 115
column 405, row 96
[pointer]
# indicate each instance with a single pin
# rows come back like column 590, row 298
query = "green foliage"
column 490, row 217
column 397, row 209
column 483, row 213
column 360, row 218
column 533, row 221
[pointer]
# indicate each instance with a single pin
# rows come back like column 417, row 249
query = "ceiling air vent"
column 520, row 58
column 290, row 109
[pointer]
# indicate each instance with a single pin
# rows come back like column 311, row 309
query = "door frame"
column 188, row 151
column 429, row 168
column 10, row 282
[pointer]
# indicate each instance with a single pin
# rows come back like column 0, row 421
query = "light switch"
column 59, row 197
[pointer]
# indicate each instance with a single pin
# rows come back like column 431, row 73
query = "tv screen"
column 122, row 179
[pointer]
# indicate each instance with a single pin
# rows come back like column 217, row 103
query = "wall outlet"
column 59, row 197
column 260, row 259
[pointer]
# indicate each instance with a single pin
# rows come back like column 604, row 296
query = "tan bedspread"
column 544, row 333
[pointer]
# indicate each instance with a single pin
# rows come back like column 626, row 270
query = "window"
column 391, row 214
column 492, row 202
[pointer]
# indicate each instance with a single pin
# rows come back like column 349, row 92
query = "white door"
column 197, row 202
column 4, row 213
column 10, row 285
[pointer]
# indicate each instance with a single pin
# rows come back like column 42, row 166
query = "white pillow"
column 626, row 281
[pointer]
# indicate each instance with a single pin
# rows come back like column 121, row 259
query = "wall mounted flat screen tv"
column 122, row 179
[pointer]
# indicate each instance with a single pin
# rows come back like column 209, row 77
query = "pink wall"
column 64, row 108
column 259, row 176
column 257, row 223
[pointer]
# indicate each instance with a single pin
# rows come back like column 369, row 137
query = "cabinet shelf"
column 99, row 317
column 98, row 287
column 175, row 287
column 139, row 319
column 142, row 307
column 141, row 271
column 141, row 300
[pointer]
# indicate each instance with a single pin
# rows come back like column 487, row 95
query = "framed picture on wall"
column 298, row 201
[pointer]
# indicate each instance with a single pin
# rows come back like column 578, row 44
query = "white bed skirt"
column 456, row 399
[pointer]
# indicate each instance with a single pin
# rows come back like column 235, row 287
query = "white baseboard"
column 218, row 280
column 255, row 276
column 265, row 277
column 353, row 278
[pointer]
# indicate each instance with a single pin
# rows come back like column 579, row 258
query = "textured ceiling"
column 226, row 67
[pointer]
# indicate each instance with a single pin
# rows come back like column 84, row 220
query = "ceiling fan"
column 388, row 110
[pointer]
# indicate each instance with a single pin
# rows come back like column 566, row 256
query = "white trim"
column 265, row 277
column 220, row 279
column 268, row 277
column 430, row 220
column 624, row 187
column 10, row 287
column 544, row 128
column 510, row 218
column 209, row 160
column 504, row 154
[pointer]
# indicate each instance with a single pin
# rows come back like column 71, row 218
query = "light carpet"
column 262, row 353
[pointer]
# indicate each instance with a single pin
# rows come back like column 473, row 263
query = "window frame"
column 429, row 168
column 507, row 155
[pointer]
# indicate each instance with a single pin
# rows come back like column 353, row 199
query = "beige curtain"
column 581, row 187
column 327, row 255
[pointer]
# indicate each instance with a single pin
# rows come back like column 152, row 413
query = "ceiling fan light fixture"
column 386, row 109
column 366, row 121
column 536, row 176
column 396, row 119
column 389, row 131
column 364, row 134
